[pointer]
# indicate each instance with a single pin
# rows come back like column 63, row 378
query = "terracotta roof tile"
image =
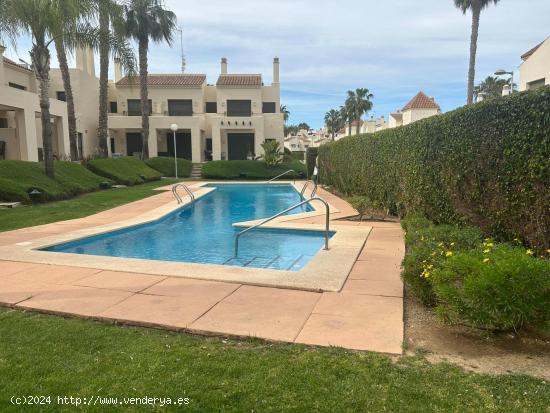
column 185, row 80
column 397, row 115
column 529, row 53
column 421, row 101
column 239, row 80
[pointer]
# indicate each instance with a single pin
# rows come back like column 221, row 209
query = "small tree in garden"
column 272, row 152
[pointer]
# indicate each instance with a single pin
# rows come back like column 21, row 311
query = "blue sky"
column 393, row 47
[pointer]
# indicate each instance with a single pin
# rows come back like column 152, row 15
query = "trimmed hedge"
column 487, row 164
column 165, row 165
column 250, row 170
column 126, row 170
column 18, row 178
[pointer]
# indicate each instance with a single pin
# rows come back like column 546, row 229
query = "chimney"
column 91, row 65
column 275, row 70
column 506, row 90
column 224, row 66
column 85, row 61
column 118, row 70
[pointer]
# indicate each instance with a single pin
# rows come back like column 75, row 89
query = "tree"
column 304, row 126
column 476, row 6
column 46, row 21
column 147, row 20
column 362, row 103
column 333, row 121
column 272, row 152
column 112, row 41
column 491, row 87
column 285, row 112
column 346, row 112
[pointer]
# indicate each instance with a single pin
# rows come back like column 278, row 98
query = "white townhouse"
column 534, row 72
column 419, row 107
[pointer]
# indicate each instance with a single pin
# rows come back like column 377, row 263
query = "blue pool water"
column 203, row 232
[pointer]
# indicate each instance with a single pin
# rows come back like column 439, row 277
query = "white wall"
column 536, row 67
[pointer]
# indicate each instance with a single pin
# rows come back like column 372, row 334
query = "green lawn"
column 30, row 215
column 49, row 355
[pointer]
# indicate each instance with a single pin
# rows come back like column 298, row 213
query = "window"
column 134, row 107
column 3, row 123
column 239, row 108
column 269, row 107
column 61, row 95
column 536, row 84
column 211, row 107
column 17, row 86
column 113, row 107
column 180, row 107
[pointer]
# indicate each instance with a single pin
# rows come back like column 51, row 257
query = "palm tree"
column 112, row 41
column 491, row 87
column 333, row 121
column 362, row 104
column 285, row 112
column 147, row 20
column 346, row 114
column 476, row 6
column 45, row 21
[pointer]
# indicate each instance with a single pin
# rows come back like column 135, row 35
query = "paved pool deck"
column 366, row 314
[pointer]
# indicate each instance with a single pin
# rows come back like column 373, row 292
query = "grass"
column 126, row 170
column 165, row 166
column 49, row 355
column 30, row 215
column 249, row 170
column 17, row 178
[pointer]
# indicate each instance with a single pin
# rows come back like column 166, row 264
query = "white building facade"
column 535, row 69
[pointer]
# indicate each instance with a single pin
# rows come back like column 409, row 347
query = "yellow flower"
column 486, row 251
column 529, row 252
column 486, row 260
column 449, row 254
column 548, row 251
column 440, row 244
column 433, row 254
column 430, row 266
column 452, row 244
column 490, row 244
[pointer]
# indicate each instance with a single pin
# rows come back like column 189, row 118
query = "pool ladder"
column 265, row 221
column 283, row 174
column 178, row 197
column 305, row 187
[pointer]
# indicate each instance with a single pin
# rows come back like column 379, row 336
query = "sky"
column 392, row 47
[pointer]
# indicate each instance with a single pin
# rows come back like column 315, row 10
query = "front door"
column 183, row 144
column 134, row 143
column 240, row 145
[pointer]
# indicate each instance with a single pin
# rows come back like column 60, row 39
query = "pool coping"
column 326, row 271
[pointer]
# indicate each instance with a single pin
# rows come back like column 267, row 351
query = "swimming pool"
column 204, row 232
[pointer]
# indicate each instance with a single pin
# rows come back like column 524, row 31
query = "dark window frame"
column 113, row 106
column 180, row 107
column 138, row 112
column 211, row 107
column 233, row 109
column 61, row 95
column 269, row 107
column 17, row 86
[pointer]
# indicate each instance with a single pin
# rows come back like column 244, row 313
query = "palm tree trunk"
column 41, row 61
column 102, row 130
column 349, row 128
column 358, row 127
column 143, row 46
column 476, row 12
column 66, row 77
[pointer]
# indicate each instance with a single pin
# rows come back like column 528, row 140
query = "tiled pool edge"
column 327, row 270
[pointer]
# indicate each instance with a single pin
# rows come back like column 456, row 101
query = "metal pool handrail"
column 178, row 197
column 305, row 186
column 284, row 173
column 265, row 221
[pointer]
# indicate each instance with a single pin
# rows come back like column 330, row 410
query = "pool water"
column 203, row 232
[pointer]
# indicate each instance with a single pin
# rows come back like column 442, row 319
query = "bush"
column 364, row 206
column 18, row 178
column 311, row 157
column 249, row 170
column 501, row 289
column 165, row 165
column 272, row 153
column 486, row 164
column 126, row 170
column 428, row 246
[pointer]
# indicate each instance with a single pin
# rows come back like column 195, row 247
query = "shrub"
column 311, row 157
column 428, row 246
column 502, row 289
column 126, row 170
column 272, row 153
column 18, row 178
column 486, row 164
column 364, row 206
column 249, row 170
column 165, row 165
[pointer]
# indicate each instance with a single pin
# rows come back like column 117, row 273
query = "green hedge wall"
column 487, row 164
column 249, row 170
column 165, row 165
column 126, row 170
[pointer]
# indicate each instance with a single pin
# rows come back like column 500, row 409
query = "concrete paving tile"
column 159, row 310
column 55, row 274
column 270, row 313
column 388, row 287
column 12, row 267
column 359, row 333
column 376, row 269
column 13, row 290
column 192, row 289
column 76, row 300
column 114, row 280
